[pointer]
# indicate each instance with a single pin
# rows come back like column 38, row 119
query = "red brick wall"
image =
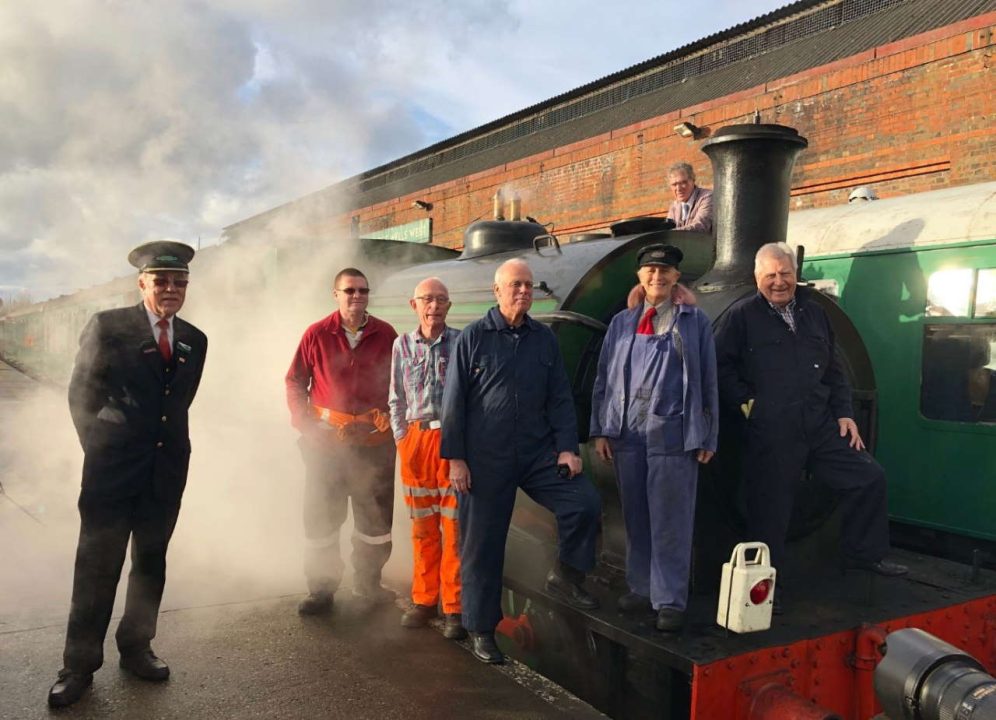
column 906, row 117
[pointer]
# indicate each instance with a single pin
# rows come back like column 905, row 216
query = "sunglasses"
column 353, row 291
column 163, row 282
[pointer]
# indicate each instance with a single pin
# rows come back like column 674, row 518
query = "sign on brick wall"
column 419, row 231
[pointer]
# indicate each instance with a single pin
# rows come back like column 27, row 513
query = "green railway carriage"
column 917, row 275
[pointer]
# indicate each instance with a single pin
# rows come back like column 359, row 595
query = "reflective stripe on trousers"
column 432, row 505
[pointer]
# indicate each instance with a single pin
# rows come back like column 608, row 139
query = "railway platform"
column 235, row 650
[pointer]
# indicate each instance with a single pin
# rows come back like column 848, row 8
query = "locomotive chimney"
column 752, row 170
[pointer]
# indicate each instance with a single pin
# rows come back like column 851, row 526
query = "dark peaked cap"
column 659, row 255
column 161, row 256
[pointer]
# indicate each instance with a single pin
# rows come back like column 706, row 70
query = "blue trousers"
column 485, row 513
column 658, row 500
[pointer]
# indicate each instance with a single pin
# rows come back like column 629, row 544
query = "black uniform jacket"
column 130, row 407
column 796, row 379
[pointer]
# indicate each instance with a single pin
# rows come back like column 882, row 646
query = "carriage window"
column 949, row 293
column 985, row 294
column 958, row 380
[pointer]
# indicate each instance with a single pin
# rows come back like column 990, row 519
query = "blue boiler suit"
column 799, row 390
column 658, row 408
column 508, row 413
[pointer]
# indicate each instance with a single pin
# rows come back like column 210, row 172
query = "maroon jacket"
column 328, row 373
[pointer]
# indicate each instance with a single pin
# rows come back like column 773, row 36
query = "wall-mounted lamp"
column 422, row 204
column 687, row 130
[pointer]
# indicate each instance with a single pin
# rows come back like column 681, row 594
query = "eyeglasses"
column 160, row 282
column 439, row 299
column 353, row 291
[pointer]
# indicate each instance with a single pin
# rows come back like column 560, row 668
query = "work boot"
column 453, row 628
column 317, row 603
column 633, row 602
column 68, row 688
column 564, row 583
column 485, row 649
column 879, row 567
column 145, row 665
column 374, row 593
column 670, row 619
column 418, row 616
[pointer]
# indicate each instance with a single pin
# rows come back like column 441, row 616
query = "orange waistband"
column 372, row 427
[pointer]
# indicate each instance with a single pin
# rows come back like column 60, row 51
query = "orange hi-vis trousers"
column 432, row 504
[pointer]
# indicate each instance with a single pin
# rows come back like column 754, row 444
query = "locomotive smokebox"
column 752, row 170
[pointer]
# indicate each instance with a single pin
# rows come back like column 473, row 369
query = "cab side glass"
column 958, row 377
column 949, row 293
column 985, row 294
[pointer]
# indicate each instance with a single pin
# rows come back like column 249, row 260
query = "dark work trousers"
column 657, row 476
column 335, row 474
column 485, row 514
column 775, row 462
column 105, row 528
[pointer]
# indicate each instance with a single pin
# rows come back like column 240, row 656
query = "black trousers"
column 335, row 475
column 106, row 525
column 776, row 459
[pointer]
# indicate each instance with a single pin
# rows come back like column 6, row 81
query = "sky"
column 125, row 121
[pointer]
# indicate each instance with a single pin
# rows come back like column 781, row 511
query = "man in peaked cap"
column 135, row 376
column 654, row 415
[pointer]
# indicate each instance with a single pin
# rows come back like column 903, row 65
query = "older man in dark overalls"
column 508, row 423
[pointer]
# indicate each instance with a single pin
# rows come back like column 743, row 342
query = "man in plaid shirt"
column 418, row 371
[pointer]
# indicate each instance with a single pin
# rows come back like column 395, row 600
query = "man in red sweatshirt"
column 337, row 389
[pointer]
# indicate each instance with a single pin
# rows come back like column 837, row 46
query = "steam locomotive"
column 817, row 660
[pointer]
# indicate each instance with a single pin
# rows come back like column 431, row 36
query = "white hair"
column 774, row 250
column 513, row 261
column 428, row 280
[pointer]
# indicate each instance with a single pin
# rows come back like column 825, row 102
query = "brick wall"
column 907, row 117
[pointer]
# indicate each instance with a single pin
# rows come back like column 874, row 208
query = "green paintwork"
column 940, row 473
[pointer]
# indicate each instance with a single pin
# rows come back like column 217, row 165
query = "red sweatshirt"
column 328, row 373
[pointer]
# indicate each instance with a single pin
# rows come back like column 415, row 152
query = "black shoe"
column 453, row 628
column 374, row 593
column 633, row 602
column 319, row 603
column 571, row 593
column 69, row 688
column 484, row 648
column 418, row 616
column 879, row 567
column 145, row 665
column 670, row 619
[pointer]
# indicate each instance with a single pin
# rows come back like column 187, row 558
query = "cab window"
column 958, row 375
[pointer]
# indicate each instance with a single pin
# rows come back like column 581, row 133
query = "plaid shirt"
column 418, row 370
column 786, row 313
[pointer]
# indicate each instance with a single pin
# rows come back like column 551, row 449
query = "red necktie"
column 646, row 326
column 164, row 348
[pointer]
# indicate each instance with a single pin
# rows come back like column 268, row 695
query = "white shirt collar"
column 154, row 319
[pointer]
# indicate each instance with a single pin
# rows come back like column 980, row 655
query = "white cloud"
column 122, row 122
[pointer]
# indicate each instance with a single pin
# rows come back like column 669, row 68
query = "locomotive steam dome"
column 488, row 237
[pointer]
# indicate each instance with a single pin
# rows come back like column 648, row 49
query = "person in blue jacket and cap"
column 509, row 422
column 654, row 415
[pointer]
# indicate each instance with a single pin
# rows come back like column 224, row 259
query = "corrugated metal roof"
column 797, row 37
